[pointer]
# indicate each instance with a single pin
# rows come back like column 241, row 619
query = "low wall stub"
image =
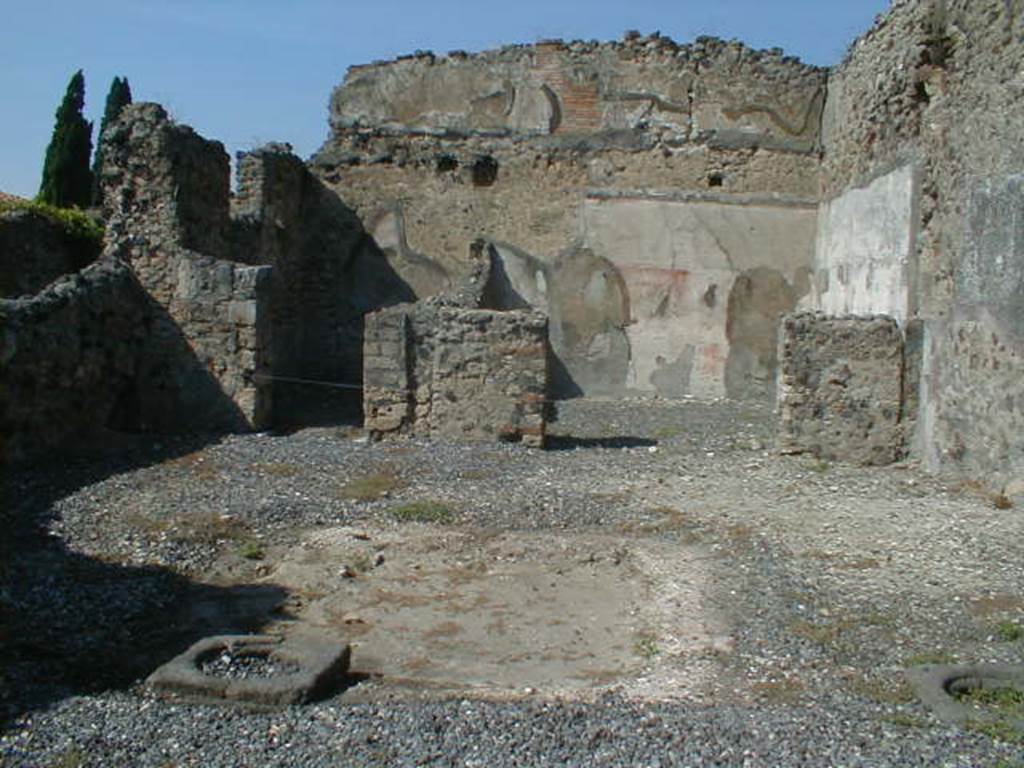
column 840, row 387
column 452, row 372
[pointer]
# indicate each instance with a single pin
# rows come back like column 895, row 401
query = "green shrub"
column 76, row 223
column 82, row 233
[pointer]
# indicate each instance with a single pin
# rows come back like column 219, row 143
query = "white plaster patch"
column 863, row 252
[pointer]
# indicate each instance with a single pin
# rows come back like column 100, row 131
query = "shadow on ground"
column 569, row 443
column 71, row 623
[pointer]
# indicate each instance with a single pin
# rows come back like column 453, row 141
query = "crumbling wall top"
column 164, row 183
column 554, row 87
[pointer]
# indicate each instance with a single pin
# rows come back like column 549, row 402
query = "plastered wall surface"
column 975, row 394
column 866, row 252
column 706, row 283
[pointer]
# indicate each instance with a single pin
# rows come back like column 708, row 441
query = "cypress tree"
column 67, row 180
column 119, row 97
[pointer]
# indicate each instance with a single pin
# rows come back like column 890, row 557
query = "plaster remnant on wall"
column 673, row 257
column 991, row 271
column 865, row 251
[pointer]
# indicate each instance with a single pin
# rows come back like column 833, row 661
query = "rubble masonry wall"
column 327, row 274
column 166, row 205
column 69, row 357
column 546, row 149
column 840, row 387
column 455, row 372
column 933, row 93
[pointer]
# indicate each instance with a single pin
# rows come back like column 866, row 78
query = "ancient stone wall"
column 463, row 365
column 536, row 148
column 166, row 203
column 35, row 250
column 464, row 374
column 69, row 357
column 840, row 388
column 327, row 274
column 933, row 93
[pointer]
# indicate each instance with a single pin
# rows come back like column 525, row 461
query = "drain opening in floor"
column 236, row 665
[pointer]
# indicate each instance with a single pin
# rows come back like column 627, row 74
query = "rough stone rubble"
column 663, row 205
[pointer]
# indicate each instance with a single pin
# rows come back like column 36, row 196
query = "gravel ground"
column 832, row 580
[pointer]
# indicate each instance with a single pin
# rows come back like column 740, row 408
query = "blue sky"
column 250, row 71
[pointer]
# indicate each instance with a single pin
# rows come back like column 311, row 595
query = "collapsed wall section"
column 529, row 146
column 69, row 358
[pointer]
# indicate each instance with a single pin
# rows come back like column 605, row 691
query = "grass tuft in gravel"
column 929, row 657
column 251, row 550
column 372, row 487
column 646, row 646
column 423, row 512
column 207, row 528
column 1009, row 631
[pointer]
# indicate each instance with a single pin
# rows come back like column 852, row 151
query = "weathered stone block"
column 841, row 387
column 242, row 312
